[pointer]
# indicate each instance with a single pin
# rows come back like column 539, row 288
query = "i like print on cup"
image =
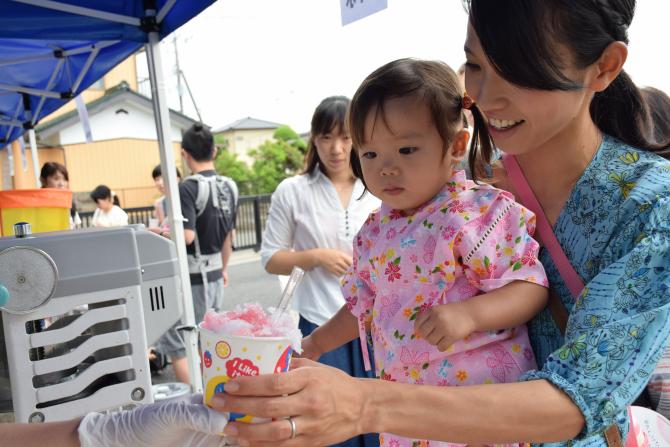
column 244, row 342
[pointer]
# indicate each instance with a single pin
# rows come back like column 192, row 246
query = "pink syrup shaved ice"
column 251, row 320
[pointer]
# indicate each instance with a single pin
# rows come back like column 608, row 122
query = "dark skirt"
column 349, row 359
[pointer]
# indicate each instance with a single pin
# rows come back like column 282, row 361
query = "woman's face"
column 522, row 119
column 104, row 204
column 57, row 181
column 334, row 149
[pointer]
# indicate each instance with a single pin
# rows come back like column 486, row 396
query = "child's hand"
column 444, row 324
column 310, row 350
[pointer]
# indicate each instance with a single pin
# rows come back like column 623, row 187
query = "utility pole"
column 176, row 56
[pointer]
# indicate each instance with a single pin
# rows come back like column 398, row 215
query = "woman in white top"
column 108, row 213
column 312, row 221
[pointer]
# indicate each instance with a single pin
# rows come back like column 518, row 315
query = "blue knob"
column 4, row 295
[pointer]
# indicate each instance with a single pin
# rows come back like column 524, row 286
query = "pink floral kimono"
column 469, row 239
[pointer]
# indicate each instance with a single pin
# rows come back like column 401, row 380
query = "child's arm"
column 511, row 305
column 340, row 329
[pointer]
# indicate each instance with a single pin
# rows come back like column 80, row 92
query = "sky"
column 276, row 60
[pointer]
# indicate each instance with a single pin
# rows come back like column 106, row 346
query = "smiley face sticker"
column 223, row 350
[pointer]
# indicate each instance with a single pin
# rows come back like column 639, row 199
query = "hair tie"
column 467, row 102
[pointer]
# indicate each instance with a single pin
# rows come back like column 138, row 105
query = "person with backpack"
column 209, row 206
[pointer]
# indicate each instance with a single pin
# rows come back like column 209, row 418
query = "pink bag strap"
column 545, row 233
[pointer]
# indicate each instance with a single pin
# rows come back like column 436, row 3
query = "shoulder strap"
column 203, row 192
column 544, row 230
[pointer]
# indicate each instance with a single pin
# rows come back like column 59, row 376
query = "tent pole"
column 33, row 153
column 168, row 168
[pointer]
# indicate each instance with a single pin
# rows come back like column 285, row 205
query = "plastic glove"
column 160, row 424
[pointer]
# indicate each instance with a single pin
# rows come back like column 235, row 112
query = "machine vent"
column 157, row 298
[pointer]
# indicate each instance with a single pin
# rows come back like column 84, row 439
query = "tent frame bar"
column 85, row 68
column 30, row 91
column 167, row 7
column 81, row 11
column 50, row 84
column 13, row 123
column 175, row 217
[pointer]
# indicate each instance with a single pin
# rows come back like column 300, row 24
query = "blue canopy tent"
column 50, row 51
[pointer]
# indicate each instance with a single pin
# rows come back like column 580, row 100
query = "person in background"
column 312, row 221
column 55, row 175
column 108, row 212
column 209, row 206
column 160, row 204
column 658, row 107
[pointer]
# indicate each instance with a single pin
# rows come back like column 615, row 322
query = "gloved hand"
column 160, row 424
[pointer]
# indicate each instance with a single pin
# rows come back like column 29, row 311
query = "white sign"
column 353, row 10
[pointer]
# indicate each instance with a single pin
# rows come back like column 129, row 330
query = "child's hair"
column 329, row 115
column 522, row 40
column 199, row 143
column 50, row 168
column 157, row 172
column 103, row 192
column 658, row 108
column 438, row 86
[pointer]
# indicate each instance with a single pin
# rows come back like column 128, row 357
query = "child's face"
column 402, row 158
column 160, row 186
column 57, row 181
column 104, row 204
column 334, row 149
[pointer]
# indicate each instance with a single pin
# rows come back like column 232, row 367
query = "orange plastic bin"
column 44, row 209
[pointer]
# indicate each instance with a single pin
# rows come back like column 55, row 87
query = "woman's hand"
column 444, row 324
column 326, row 405
column 335, row 261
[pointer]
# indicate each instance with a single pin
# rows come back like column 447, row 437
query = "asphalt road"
column 248, row 281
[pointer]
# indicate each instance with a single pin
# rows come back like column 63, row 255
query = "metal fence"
column 252, row 214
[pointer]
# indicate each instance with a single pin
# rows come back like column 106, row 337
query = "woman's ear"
column 608, row 66
column 459, row 145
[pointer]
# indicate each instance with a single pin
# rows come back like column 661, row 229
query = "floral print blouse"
column 615, row 230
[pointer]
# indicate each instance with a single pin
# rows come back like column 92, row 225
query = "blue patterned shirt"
column 615, row 229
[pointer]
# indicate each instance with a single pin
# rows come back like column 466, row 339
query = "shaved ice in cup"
column 244, row 342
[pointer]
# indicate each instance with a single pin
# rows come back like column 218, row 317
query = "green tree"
column 285, row 133
column 273, row 162
column 228, row 164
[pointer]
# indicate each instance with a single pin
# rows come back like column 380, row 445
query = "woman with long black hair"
column 548, row 75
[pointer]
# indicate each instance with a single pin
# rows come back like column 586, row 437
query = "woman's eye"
column 407, row 150
column 368, row 155
column 471, row 66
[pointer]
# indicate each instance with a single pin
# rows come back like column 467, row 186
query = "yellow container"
column 44, row 209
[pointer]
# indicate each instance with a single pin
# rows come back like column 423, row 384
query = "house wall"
column 240, row 142
column 107, row 124
column 123, row 164
column 125, row 71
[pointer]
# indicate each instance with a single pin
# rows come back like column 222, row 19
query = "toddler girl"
column 445, row 274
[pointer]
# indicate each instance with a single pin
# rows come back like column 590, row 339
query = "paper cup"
column 225, row 357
